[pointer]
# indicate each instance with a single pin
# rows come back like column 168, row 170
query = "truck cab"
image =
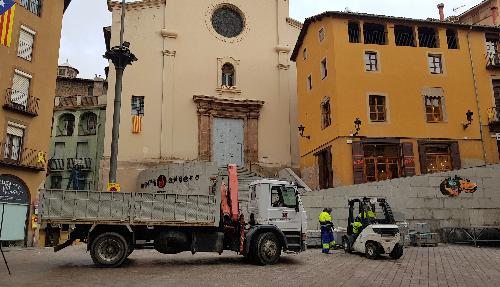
column 275, row 203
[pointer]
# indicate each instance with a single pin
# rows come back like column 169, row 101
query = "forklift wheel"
column 347, row 244
column 371, row 250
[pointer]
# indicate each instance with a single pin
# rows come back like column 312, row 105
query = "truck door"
column 282, row 211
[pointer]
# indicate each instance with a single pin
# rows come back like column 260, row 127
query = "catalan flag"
column 136, row 124
column 7, row 11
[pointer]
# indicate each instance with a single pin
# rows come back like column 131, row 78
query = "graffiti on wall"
column 453, row 186
column 12, row 190
column 162, row 180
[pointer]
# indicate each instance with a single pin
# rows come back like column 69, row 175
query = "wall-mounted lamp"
column 301, row 131
column 357, row 125
column 469, row 115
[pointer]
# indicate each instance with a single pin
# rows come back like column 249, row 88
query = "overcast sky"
column 82, row 41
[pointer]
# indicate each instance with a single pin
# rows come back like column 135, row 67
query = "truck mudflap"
column 258, row 229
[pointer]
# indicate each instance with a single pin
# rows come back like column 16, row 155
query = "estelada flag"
column 136, row 124
column 7, row 10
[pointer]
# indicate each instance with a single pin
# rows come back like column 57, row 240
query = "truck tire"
column 267, row 249
column 372, row 251
column 397, row 252
column 109, row 249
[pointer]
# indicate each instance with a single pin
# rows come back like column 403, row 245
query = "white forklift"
column 373, row 230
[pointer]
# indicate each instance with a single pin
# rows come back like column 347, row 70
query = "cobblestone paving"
column 446, row 265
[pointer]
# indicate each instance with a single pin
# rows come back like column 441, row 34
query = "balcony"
column 493, row 61
column 34, row 6
column 74, row 102
column 56, row 164
column 13, row 155
column 84, row 163
column 494, row 119
column 21, row 102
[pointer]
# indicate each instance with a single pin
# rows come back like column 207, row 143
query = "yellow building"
column 28, row 66
column 385, row 97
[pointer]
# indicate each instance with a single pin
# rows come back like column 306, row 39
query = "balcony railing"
column 34, row 6
column 14, row 155
column 83, row 163
column 56, row 164
column 494, row 119
column 21, row 102
column 493, row 60
column 79, row 101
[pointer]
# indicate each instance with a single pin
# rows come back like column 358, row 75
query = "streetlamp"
column 121, row 56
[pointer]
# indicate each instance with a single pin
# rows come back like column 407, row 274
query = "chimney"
column 441, row 11
column 494, row 14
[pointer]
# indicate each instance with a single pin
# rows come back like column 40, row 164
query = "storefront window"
column 382, row 161
column 438, row 158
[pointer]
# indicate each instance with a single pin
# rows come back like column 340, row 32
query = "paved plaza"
column 446, row 265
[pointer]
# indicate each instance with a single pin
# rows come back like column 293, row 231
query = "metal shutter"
column 20, row 89
column 25, row 48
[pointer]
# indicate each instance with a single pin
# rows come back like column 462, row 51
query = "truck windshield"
column 283, row 196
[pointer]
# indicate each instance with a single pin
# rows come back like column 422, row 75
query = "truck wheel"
column 371, row 250
column 268, row 249
column 347, row 244
column 109, row 249
column 397, row 252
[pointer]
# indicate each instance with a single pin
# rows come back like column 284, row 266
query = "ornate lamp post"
column 121, row 56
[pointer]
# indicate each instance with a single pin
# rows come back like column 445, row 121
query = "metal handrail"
column 23, row 157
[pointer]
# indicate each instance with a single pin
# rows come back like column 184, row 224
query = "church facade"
column 213, row 82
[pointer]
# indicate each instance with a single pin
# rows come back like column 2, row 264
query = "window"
column 137, row 106
column 34, row 6
column 14, row 142
column 326, row 119
column 321, row 34
column 228, row 21
column 20, row 88
column 26, row 39
column 324, row 69
column 283, row 197
column 371, row 61
column 228, row 79
column 427, row 37
column 82, row 150
column 382, row 161
column 60, row 72
column 66, row 125
column 438, row 158
column 452, row 39
column 374, row 34
column 59, row 150
column 88, row 124
column 434, row 109
column 353, row 31
column 404, row 36
column 309, row 83
column 435, row 64
column 90, row 91
column 377, row 108
column 492, row 49
column 304, row 53
column 325, row 168
column 56, row 182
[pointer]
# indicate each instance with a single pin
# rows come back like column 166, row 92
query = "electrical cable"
column 1, row 250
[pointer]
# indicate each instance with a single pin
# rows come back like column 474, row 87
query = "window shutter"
column 422, row 157
column 408, row 160
column 358, row 158
column 20, row 89
column 15, row 131
column 25, row 48
column 455, row 156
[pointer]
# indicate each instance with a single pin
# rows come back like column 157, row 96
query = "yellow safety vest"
column 325, row 217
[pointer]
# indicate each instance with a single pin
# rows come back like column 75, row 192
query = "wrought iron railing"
column 23, row 157
column 494, row 119
column 56, row 164
column 82, row 163
column 375, row 37
column 21, row 102
column 492, row 60
column 34, row 6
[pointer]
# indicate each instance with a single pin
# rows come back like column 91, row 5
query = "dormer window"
column 228, row 79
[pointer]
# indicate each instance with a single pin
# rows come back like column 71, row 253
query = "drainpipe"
column 476, row 94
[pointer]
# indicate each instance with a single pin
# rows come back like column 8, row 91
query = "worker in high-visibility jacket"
column 325, row 220
column 357, row 226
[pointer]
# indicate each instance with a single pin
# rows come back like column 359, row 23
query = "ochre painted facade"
column 403, row 77
column 31, row 112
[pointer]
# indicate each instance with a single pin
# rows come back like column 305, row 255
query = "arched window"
column 66, row 125
column 228, row 78
column 88, row 124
